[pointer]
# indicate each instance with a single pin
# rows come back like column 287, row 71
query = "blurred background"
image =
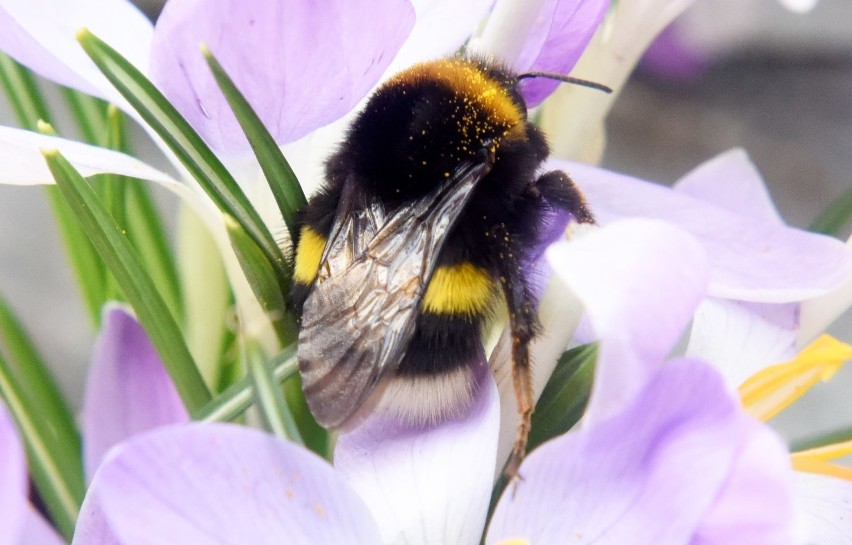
column 731, row 73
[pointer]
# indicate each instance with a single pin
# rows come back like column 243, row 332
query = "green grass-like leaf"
column 186, row 144
column 35, row 379
column 835, row 217
column 565, row 396
column 270, row 397
column 30, row 108
column 237, row 398
column 279, row 175
column 126, row 267
column 263, row 281
column 57, row 472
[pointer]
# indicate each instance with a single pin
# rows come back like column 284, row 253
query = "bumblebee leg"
column 524, row 325
column 559, row 190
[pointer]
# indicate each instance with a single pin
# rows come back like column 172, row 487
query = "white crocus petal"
column 573, row 116
column 41, row 36
column 23, row 163
column 824, row 506
column 817, row 314
column 742, row 338
column 508, row 28
column 426, row 485
column 441, row 28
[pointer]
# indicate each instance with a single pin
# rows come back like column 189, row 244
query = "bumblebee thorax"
column 427, row 120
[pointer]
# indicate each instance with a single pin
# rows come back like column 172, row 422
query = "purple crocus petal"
column 673, row 57
column 92, row 527
column 741, row 338
column 667, row 470
column 824, row 508
column 128, row 390
column 426, row 485
column 36, row 530
column 300, row 64
column 562, row 31
column 730, row 180
column 13, row 480
column 750, row 260
column 209, row 484
column 41, row 36
column 640, row 282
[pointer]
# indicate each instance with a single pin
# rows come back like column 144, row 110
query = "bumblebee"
column 431, row 208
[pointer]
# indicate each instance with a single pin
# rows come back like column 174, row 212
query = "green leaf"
column 57, row 472
column 565, row 396
column 208, row 305
column 263, row 281
column 34, row 377
column 316, row 437
column 128, row 271
column 269, row 396
column 279, row 175
column 30, row 108
column 23, row 93
column 90, row 114
column 835, row 217
column 236, row 399
column 189, row 148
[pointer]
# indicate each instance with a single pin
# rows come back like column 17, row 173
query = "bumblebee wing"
column 360, row 315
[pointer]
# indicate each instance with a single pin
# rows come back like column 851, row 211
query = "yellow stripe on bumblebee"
column 463, row 289
column 308, row 255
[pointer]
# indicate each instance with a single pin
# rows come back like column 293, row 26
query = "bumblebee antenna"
column 566, row 79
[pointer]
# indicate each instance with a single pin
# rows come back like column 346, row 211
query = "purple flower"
column 128, row 389
column 670, row 440
column 20, row 523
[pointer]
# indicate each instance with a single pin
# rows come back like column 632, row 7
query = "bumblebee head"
column 424, row 122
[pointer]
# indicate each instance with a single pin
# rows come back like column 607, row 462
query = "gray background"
column 785, row 96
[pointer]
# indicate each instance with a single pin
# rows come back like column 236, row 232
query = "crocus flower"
column 20, row 523
column 672, row 439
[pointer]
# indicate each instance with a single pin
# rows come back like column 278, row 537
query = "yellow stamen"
column 515, row 541
column 827, row 452
column 773, row 389
column 820, row 467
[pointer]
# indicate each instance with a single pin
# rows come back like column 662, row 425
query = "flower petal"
column 37, row 531
column 23, row 163
column 730, row 180
column 823, row 507
column 750, row 260
column 563, row 31
column 300, row 65
column 221, row 484
column 741, row 338
column 128, row 389
column 13, row 480
column 682, row 447
column 92, row 528
column 426, row 485
column 819, row 313
column 640, row 281
column 41, row 36
column 441, row 28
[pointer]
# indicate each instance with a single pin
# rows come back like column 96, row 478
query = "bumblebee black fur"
column 415, row 134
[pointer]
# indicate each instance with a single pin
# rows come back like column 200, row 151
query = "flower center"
column 773, row 389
